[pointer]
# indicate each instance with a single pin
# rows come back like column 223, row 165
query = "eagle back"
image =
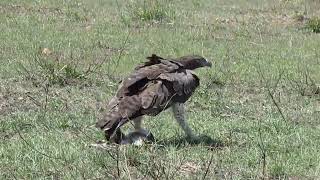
column 138, row 80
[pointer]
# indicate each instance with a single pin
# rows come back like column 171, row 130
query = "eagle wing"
column 143, row 74
column 183, row 82
column 153, row 59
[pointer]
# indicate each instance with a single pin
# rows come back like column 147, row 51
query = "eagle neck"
column 189, row 64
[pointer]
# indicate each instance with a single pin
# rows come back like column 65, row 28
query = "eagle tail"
column 119, row 114
column 110, row 124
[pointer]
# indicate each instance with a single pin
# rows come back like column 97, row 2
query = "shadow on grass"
column 202, row 140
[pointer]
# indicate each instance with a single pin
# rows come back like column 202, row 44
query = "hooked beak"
column 208, row 63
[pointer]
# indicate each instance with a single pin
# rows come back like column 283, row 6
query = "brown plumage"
column 151, row 88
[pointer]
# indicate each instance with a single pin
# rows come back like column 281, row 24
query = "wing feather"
column 139, row 78
column 183, row 82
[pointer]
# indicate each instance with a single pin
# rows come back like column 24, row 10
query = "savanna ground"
column 257, row 110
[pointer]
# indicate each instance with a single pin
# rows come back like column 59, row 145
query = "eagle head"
column 193, row 62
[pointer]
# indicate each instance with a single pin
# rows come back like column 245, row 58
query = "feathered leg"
column 137, row 123
column 138, row 129
column 179, row 115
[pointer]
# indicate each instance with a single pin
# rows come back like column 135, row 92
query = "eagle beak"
column 209, row 64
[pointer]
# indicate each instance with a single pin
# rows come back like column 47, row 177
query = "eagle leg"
column 179, row 115
column 137, row 123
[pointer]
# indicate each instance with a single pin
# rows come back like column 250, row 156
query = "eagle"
column 151, row 88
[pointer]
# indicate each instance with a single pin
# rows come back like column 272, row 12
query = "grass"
column 153, row 10
column 259, row 105
column 314, row 24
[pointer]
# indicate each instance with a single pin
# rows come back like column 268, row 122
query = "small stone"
column 46, row 51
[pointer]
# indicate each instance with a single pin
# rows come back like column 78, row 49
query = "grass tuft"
column 314, row 24
column 46, row 69
column 151, row 10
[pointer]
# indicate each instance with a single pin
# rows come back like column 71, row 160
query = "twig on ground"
column 208, row 167
column 271, row 93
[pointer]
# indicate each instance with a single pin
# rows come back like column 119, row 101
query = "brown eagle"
column 150, row 89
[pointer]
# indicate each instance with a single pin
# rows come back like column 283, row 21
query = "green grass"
column 314, row 24
column 259, row 103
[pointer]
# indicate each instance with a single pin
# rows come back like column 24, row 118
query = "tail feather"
column 109, row 119
column 110, row 124
column 124, row 110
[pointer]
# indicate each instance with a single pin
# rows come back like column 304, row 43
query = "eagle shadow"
column 203, row 140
